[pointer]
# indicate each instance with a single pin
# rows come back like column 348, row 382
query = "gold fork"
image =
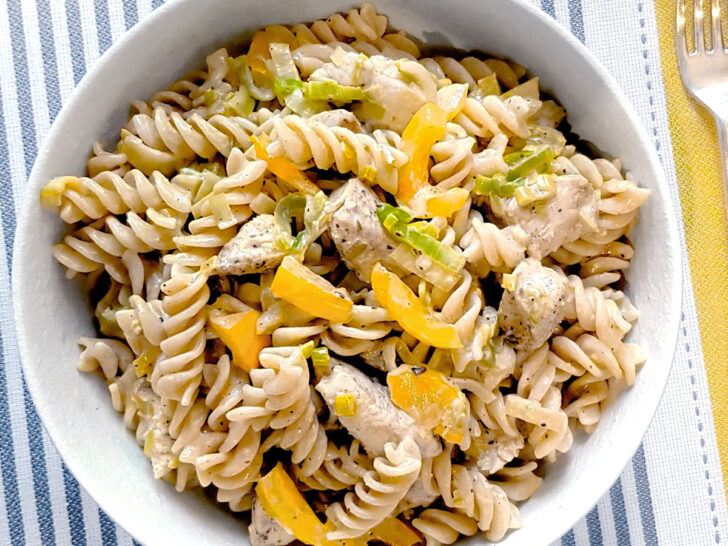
column 705, row 71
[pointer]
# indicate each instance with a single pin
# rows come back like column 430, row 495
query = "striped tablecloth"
column 671, row 492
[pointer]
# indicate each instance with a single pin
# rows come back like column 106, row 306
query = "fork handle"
column 722, row 123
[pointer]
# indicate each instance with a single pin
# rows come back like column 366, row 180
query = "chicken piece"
column 377, row 421
column 534, row 307
column 265, row 530
column 253, row 249
column 338, row 118
column 398, row 87
column 571, row 213
column 357, row 232
column 491, row 451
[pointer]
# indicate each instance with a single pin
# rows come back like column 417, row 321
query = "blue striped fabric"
column 576, row 20
column 45, row 48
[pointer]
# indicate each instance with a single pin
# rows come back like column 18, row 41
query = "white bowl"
column 52, row 313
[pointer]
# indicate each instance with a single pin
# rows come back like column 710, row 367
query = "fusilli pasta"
column 336, row 279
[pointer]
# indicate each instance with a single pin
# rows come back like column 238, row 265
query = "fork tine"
column 699, row 34
column 682, row 46
column 717, row 32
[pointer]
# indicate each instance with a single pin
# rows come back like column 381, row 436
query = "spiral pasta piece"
column 490, row 248
column 231, row 465
column 584, row 399
column 361, row 29
column 194, row 439
column 82, row 198
column 588, row 353
column 184, row 426
column 304, row 141
column 167, row 141
column 121, row 389
column 341, row 469
column 115, row 246
column 180, row 95
column 109, row 355
column 142, row 323
column 205, row 450
column 101, row 161
column 453, row 162
column 366, row 325
column 463, row 308
column 470, row 69
column 466, row 490
column 537, row 374
column 491, row 116
column 618, row 212
column 619, row 206
column 608, row 267
column 79, row 254
column 378, row 492
column 548, row 442
column 518, row 482
column 206, row 97
column 549, row 423
column 620, row 203
column 595, row 312
column 279, row 398
column 178, row 374
column 443, row 526
column 359, row 23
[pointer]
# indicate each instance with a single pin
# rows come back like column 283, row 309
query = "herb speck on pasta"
column 354, row 291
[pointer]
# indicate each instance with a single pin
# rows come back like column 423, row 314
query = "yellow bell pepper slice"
column 395, row 532
column 301, row 287
column 446, row 204
column 424, row 129
column 431, row 400
column 281, row 499
column 259, row 50
column 238, row 332
column 407, row 309
column 283, row 167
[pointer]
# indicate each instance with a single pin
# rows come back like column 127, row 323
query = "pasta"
column 163, row 141
column 341, row 469
column 378, row 492
column 466, row 490
column 338, row 147
column 109, row 193
column 440, row 526
column 334, row 278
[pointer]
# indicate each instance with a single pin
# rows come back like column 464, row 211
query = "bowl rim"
column 85, row 479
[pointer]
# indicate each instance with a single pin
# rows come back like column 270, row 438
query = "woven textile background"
column 671, row 492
